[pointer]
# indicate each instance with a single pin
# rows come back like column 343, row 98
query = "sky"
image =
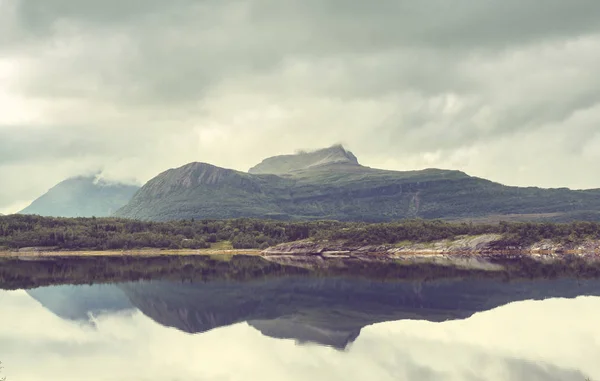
column 523, row 341
column 502, row 89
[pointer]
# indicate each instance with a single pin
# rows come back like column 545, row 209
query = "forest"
column 21, row 231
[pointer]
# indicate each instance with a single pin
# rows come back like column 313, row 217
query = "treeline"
column 19, row 231
column 513, row 233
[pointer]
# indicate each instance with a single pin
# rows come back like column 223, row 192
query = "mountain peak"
column 196, row 173
column 282, row 164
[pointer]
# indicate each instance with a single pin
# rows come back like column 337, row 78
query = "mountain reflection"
column 325, row 311
column 80, row 303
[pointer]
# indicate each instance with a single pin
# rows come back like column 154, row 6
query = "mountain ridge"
column 331, row 184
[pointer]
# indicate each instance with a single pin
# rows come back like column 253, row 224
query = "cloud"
column 136, row 87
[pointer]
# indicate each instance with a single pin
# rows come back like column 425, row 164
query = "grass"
column 223, row 251
column 221, row 245
column 404, row 243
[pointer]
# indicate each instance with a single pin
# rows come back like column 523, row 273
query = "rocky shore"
column 484, row 252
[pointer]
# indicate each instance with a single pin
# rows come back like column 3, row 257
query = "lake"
column 282, row 325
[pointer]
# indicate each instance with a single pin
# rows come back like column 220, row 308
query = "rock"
column 284, row 164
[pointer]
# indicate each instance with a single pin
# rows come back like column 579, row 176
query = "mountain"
column 82, row 197
column 332, row 311
column 331, row 184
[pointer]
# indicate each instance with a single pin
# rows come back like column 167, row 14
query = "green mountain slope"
column 81, row 197
column 331, row 184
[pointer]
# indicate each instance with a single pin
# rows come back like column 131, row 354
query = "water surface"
column 301, row 327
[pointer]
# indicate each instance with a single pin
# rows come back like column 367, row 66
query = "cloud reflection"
column 520, row 341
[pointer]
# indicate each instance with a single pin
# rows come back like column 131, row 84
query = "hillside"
column 331, row 184
column 199, row 189
column 81, row 197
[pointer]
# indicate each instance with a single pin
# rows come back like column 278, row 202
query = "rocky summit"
column 331, row 184
column 288, row 164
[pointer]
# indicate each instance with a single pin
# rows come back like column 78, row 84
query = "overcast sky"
column 503, row 89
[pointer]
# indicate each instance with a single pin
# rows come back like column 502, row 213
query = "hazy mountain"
column 331, row 184
column 82, row 197
column 332, row 311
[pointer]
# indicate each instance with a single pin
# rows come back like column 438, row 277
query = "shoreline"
column 23, row 270
column 489, row 261
column 135, row 253
column 485, row 252
column 474, row 252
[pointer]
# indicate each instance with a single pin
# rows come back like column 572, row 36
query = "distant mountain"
column 331, row 184
column 332, row 311
column 82, row 197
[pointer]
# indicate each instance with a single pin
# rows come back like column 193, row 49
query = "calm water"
column 299, row 328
